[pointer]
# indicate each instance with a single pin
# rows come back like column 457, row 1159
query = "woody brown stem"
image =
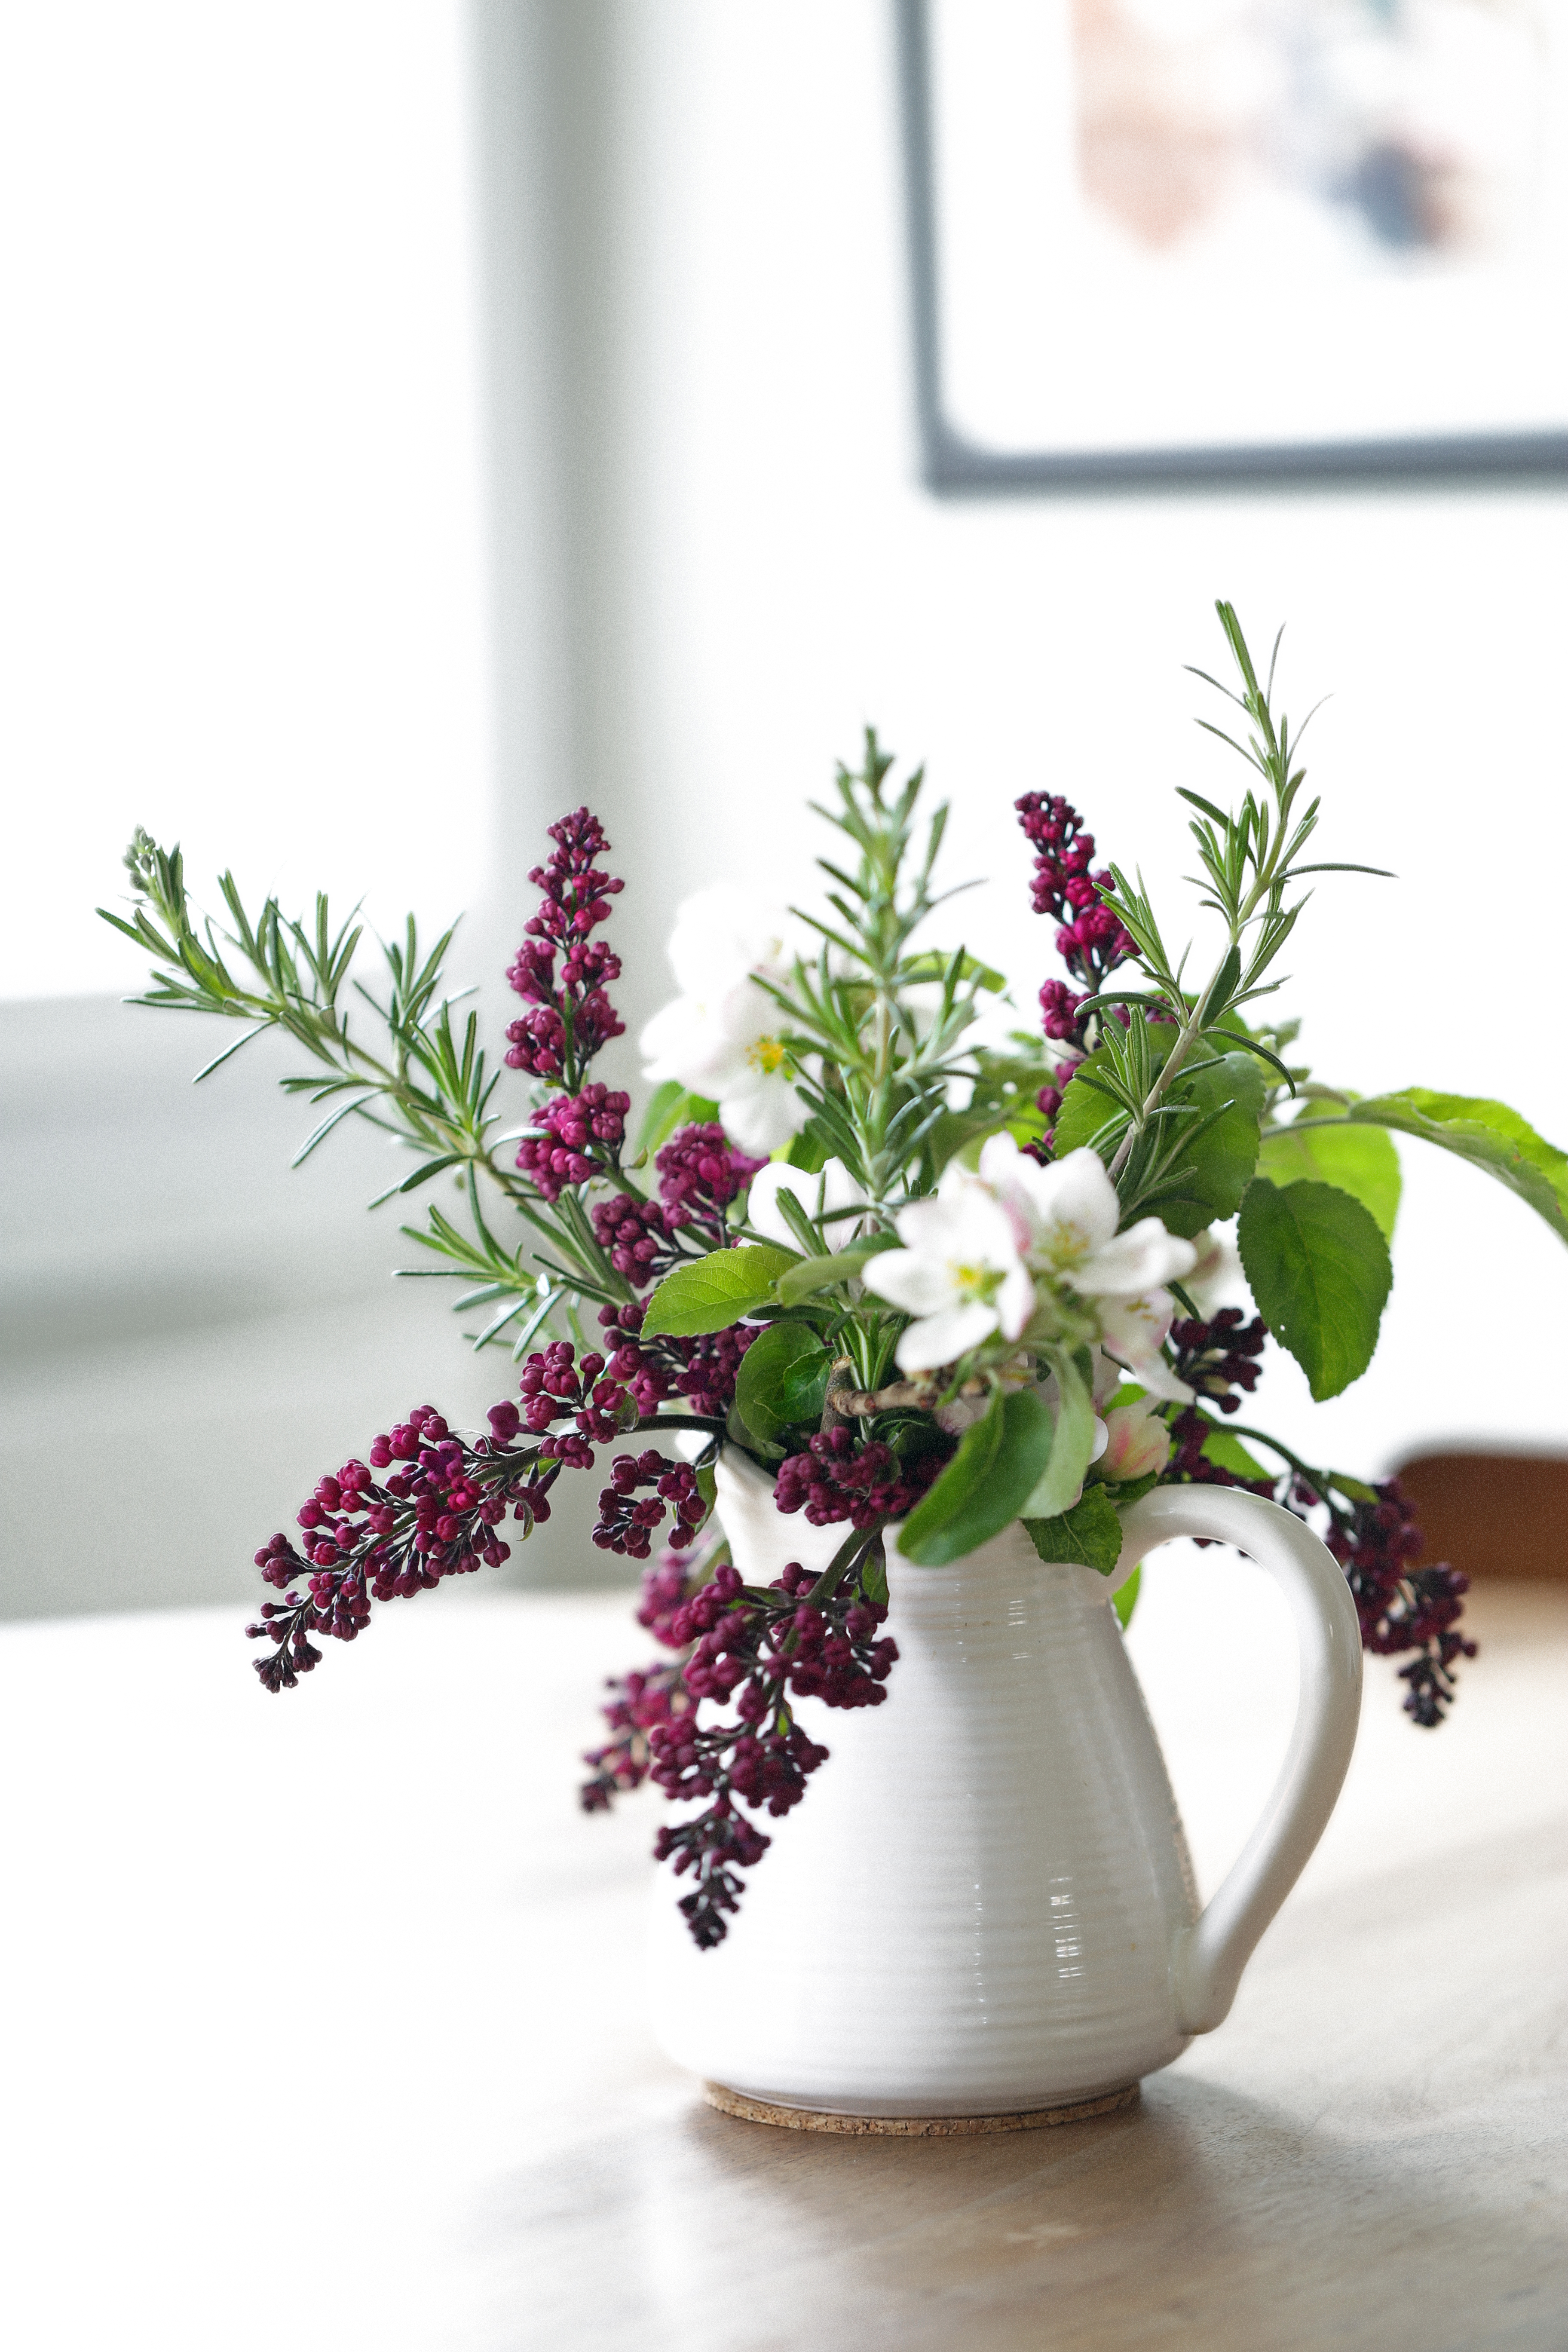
column 843, row 1403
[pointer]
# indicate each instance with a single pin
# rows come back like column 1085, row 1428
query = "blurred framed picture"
column 1236, row 240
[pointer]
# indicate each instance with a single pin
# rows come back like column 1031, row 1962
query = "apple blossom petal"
column 1133, row 1330
column 941, row 1339
column 1015, row 1301
column 684, row 1042
column 759, row 1111
column 911, row 1280
column 1073, row 1194
column 1134, row 1263
column 830, row 1187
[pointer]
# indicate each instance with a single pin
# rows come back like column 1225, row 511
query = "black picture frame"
column 953, row 467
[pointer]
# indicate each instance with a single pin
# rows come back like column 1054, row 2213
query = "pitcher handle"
column 1209, row 1958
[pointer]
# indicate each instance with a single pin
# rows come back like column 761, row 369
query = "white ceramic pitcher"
column 983, row 1904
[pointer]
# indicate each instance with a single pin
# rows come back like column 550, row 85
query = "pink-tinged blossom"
column 1137, row 1443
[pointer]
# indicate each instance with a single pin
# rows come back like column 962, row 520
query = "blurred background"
column 421, row 416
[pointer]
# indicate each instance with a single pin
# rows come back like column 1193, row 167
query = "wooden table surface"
column 323, row 2027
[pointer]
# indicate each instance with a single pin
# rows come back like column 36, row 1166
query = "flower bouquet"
column 912, row 1265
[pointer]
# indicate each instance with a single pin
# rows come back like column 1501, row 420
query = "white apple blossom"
column 959, row 1273
column 1066, row 1215
column 1133, row 1330
column 721, row 1036
column 832, row 1187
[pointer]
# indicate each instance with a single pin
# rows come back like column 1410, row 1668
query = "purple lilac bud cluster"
column 1402, row 1607
column 1090, row 940
column 1215, row 1357
column 699, row 1173
column 560, row 970
column 626, row 1525
column 639, row 1703
column 434, row 1513
column 634, row 1236
column 703, row 1370
column 840, row 1478
column 579, row 1136
column 754, row 1651
column 1219, row 1356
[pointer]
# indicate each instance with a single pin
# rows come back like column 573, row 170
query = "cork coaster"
column 761, row 2111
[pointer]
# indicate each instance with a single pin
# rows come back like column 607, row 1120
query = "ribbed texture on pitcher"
column 973, row 1909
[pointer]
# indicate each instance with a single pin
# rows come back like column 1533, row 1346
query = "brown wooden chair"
column 1491, row 1513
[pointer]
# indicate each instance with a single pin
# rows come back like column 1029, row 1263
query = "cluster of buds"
column 578, row 1136
column 1090, row 939
column 1217, row 1358
column 626, row 1522
column 560, row 971
column 839, row 1476
column 702, row 1370
column 634, row 1236
column 756, row 1652
column 594, row 1394
column 699, row 1173
column 434, row 1512
column 428, row 1503
column 1402, row 1607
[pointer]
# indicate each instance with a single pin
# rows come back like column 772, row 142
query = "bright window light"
column 240, row 574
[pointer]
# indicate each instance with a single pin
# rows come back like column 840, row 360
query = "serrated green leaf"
column 783, row 1378
column 1224, row 1155
column 1318, row 1266
column 1486, row 1133
column 1088, row 1535
column 984, row 1486
column 713, row 1292
column 1361, row 1160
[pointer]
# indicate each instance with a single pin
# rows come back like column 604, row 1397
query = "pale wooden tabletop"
column 323, row 2027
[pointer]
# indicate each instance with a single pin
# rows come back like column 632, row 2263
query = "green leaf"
column 813, row 1273
column 1085, row 1109
column 1488, row 1134
column 783, row 1378
column 1057, row 1487
column 1090, row 1534
column 1225, row 1155
column 670, row 1108
column 1124, row 1599
column 1361, row 1160
column 713, row 1292
column 986, row 1484
column 1319, row 1269
column 1230, row 1454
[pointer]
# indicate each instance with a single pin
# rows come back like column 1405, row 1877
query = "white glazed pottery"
column 983, row 1906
